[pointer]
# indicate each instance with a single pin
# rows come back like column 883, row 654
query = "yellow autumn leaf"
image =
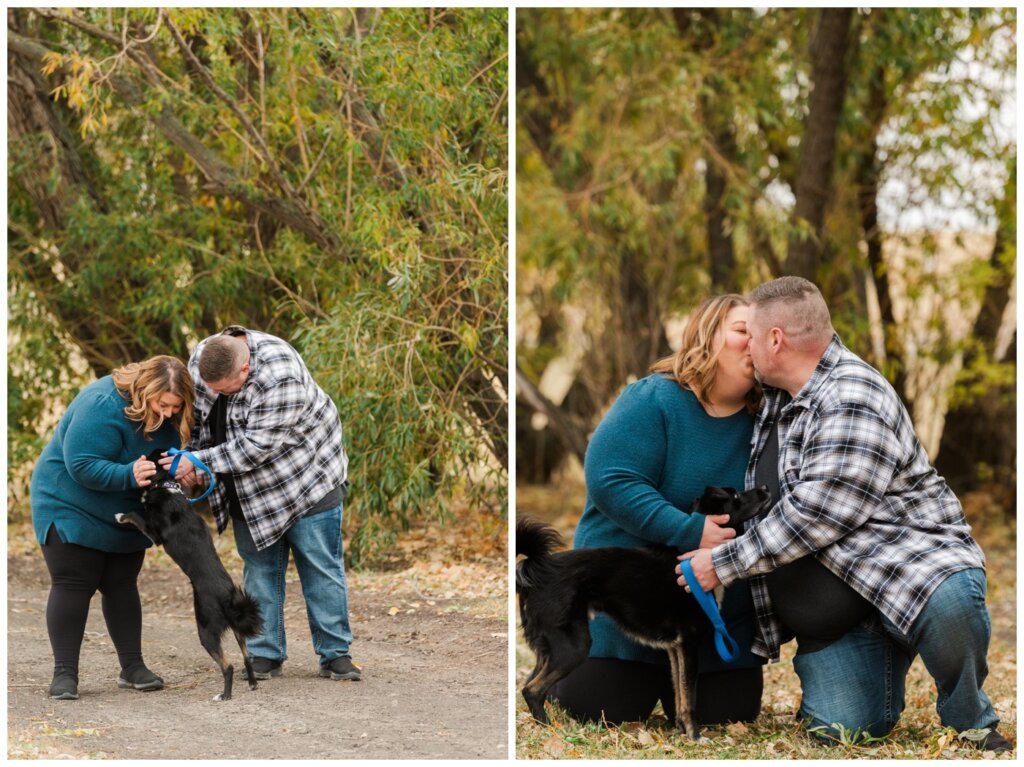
column 51, row 62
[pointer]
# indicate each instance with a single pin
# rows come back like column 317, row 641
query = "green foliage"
column 848, row 737
column 337, row 177
column 623, row 112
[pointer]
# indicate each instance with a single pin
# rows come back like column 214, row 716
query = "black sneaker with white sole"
column 342, row 669
column 993, row 741
column 264, row 668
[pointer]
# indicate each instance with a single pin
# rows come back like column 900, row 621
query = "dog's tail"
column 535, row 541
column 244, row 614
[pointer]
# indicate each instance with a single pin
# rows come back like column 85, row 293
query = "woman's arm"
column 624, row 466
column 92, row 447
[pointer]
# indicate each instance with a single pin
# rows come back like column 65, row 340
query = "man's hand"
column 184, row 466
column 703, row 568
column 190, row 479
column 714, row 532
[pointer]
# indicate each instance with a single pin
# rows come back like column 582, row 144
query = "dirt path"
column 432, row 642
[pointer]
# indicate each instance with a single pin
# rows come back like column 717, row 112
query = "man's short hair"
column 795, row 305
column 222, row 357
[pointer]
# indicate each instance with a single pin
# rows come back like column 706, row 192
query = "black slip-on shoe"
column 64, row 686
column 138, row 677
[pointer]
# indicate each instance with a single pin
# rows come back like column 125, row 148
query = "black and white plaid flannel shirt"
column 284, row 444
column 857, row 490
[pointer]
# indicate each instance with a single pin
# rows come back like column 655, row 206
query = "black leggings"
column 76, row 572
column 627, row 691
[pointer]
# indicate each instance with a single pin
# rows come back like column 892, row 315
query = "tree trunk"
column 867, row 177
column 829, row 72
column 721, row 254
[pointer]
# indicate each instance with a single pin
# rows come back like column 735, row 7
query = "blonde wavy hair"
column 142, row 382
column 695, row 365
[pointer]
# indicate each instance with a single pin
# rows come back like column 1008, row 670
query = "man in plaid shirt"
column 857, row 494
column 272, row 437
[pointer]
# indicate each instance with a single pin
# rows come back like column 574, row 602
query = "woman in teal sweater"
column 664, row 439
column 91, row 470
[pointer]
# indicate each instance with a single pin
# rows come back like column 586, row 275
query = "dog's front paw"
column 219, row 697
column 122, row 519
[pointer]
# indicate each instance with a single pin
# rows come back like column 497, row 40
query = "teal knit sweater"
column 652, row 455
column 84, row 475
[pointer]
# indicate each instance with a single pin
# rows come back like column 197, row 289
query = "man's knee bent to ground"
column 855, row 685
column 858, row 682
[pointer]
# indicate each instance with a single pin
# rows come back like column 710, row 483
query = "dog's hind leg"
column 684, row 685
column 675, row 664
column 229, row 674
column 686, row 691
column 250, row 675
column 210, row 641
column 535, row 698
column 567, row 652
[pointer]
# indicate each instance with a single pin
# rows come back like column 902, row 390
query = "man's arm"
column 271, row 425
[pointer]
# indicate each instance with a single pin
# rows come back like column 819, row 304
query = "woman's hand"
column 714, row 532
column 143, row 470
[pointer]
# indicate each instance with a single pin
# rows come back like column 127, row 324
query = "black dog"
column 636, row 587
column 169, row 521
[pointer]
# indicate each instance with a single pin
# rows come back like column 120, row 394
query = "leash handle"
column 725, row 645
column 195, row 462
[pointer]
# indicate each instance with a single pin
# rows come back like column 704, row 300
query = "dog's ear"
column 711, row 493
column 155, row 455
column 718, row 492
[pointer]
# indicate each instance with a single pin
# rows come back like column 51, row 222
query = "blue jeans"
column 319, row 559
column 858, row 682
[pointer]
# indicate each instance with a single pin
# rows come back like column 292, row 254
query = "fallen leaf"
column 737, row 728
column 554, row 746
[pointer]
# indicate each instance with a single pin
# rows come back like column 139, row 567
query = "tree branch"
column 570, row 435
column 221, row 177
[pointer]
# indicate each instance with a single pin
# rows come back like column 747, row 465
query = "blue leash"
column 724, row 644
column 195, row 462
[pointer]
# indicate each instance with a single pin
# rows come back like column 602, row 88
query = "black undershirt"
column 807, row 597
